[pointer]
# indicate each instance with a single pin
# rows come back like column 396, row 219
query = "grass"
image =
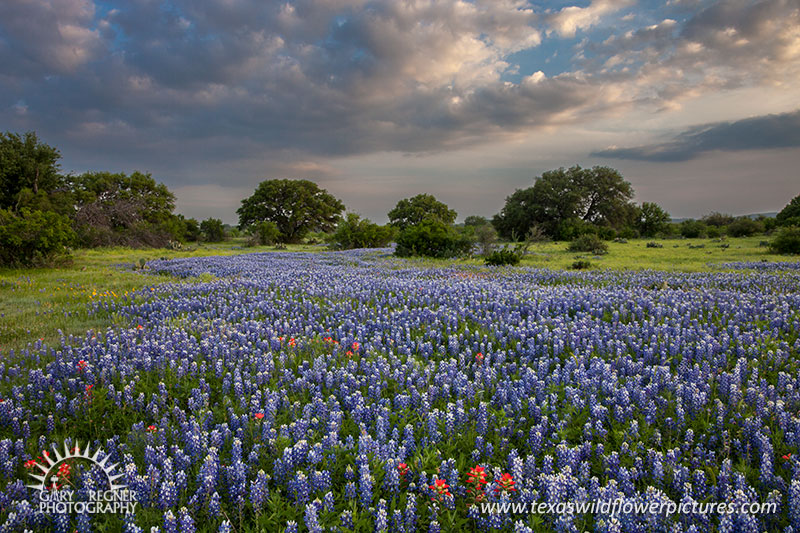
column 679, row 255
column 38, row 304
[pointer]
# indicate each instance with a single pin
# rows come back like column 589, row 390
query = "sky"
column 695, row 102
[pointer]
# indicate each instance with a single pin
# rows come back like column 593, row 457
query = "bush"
column 355, row 232
column 213, row 230
column 581, row 265
column 432, row 238
column 745, row 227
column 486, row 236
column 652, row 244
column 606, row 233
column 770, row 223
column 787, row 241
column 506, row 256
column 790, row 215
column 266, row 232
column 33, row 238
column 692, row 229
column 317, row 237
column 588, row 243
column 717, row 220
column 191, row 229
column 573, row 228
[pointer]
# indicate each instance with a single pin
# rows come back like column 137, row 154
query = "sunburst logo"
column 53, row 471
column 54, row 475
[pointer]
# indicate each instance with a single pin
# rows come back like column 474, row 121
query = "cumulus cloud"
column 757, row 133
column 573, row 18
column 47, row 37
column 728, row 45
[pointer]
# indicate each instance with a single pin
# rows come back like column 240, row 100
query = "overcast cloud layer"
column 214, row 96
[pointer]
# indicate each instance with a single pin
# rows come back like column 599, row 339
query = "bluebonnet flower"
column 365, row 483
column 350, row 490
column 794, row 504
column 168, row 496
column 381, row 517
column 215, row 505
column 186, row 522
column 346, row 519
column 259, row 490
column 299, row 487
column 410, row 513
column 311, row 519
column 170, row 522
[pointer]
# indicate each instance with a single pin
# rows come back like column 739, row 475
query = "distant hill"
column 771, row 214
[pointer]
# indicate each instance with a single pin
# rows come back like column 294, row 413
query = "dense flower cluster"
column 762, row 265
column 341, row 390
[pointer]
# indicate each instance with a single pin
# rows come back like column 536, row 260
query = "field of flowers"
column 355, row 392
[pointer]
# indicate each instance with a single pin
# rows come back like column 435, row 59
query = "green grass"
column 36, row 303
column 676, row 255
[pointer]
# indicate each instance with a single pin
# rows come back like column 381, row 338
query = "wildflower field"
column 351, row 391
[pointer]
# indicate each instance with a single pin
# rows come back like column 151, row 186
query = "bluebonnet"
column 311, row 518
column 569, row 358
column 259, row 490
column 185, row 521
column 170, row 522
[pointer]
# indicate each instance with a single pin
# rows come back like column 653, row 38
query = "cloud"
column 47, row 37
column 570, row 19
column 757, row 133
column 728, row 45
column 229, row 92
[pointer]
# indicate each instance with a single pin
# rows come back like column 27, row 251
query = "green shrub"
column 486, row 237
column 717, row 219
column 355, row 232
column 692, row 229
column 606, row 233
column 213, row 230
column 33, row 238
column 266, row 232
column 581, row 265
column 589, row 243
column 317, row 237
column 573, row 228
column 745, row 227
column 790, row 215
column 787, row 241
column 506, row 256
column 191, row 230
column 432, row 238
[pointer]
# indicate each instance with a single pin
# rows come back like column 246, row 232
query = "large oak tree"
column 295, row 206
column 412, row 211
column 563, row 197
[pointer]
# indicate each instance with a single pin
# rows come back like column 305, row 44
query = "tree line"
column 43, row 212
